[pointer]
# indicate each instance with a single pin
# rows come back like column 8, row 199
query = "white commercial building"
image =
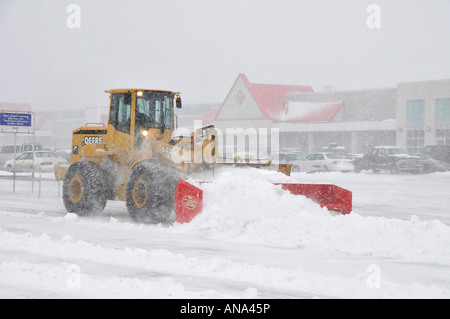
column 411, row 115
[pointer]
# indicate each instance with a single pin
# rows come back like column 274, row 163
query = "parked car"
column 391, row 158
column 328, row 162
column 433, row 165
column 291, row 157
column 300, row 164
column 43, row 161
column 295, row 157
column 66, row 154
column 440, row 153
column 334, row 148
column 7, row 152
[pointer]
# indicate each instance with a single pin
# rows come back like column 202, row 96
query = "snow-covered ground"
column 252, row 240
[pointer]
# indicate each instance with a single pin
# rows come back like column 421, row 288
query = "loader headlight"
column 144, row 133
column 140, row 93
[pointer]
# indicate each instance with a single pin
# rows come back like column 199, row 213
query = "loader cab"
column 136, row 114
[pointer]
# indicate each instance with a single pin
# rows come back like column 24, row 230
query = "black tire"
column 295, row 169
column 151, row 193
column 395, row 170
column 84, row 191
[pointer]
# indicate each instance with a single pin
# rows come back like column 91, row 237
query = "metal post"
column 14, row 168
column 33, row 150
column 40, row 177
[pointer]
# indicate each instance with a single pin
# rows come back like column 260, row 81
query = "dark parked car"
column 391, row 158
column 438, row 152
column 432, row 165
column 438, row 156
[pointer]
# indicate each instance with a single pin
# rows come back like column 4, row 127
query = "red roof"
column 296, row 112
column 271, row 98
column 19, row 107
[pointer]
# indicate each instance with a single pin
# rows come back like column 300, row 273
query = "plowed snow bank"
column 245, row 204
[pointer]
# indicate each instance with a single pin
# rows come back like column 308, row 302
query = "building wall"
column 242, row 124
column 367, row 119
column 411, row 116
column 356, row 137
column 360, row 105
column 236, row 135
column 189, row 114
column 239, row 104
column 419, row 122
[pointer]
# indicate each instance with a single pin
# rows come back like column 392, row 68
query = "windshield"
column 296, row 157
column 45, row 155
column 395, row 151
column 154, row 110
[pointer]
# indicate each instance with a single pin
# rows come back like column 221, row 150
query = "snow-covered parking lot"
column 252, row 240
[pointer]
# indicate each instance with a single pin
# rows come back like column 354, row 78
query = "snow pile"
column 247, row 203
column 164, row 274
column 247, row 206
column 252, row 240
column 58, row 276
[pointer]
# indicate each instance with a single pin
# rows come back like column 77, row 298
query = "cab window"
column 121, row 112
column 154, row 110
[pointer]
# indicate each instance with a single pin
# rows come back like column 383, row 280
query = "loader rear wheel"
column 150, row 193
column 84, row 191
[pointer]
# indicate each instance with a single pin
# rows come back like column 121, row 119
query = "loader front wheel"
column 150, row 193
column 84, row 191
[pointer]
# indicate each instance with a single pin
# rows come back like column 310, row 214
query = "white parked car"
column 66, row 154
column 8, row 152
column 299, row 163
column 43, row 161
column 330, row 162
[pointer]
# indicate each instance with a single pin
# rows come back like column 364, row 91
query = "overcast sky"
column 200, row 46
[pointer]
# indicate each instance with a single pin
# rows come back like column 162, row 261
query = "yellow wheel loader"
column 135, row 159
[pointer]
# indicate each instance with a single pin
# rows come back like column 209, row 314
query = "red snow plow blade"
column 333, row 197
column 189, row 202
column 189, row 199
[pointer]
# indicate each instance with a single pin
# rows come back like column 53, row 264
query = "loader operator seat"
column 142, row 121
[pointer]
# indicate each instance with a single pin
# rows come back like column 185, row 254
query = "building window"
column 415, row 141
column 443, row 137
column 443, row 109
column 415, row 110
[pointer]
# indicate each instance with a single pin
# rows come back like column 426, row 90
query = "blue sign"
column 15, row 119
